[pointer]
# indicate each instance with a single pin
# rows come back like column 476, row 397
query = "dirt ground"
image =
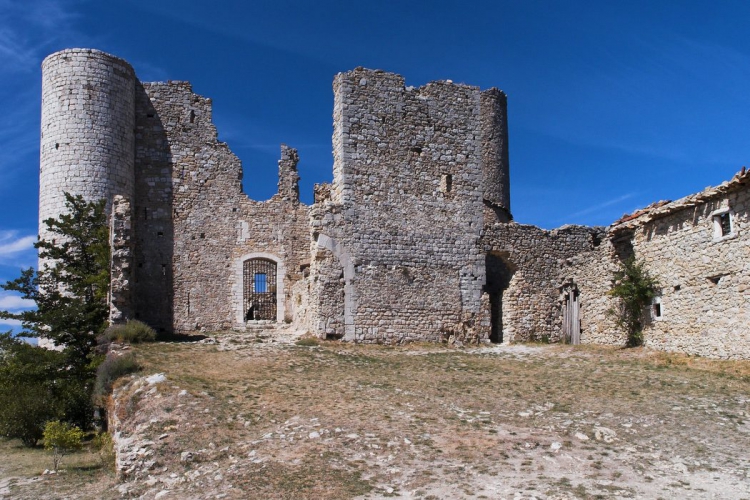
column 247, row 417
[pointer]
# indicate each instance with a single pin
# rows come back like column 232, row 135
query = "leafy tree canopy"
column 70, row 288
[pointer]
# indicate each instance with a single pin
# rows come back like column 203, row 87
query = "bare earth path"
column 250, row 418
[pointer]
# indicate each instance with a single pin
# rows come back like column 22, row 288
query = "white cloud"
column 600, row 206
column 10, row 322
column 11, row 243
column 14, row 303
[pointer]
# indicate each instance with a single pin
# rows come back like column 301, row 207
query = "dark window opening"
column 192, row 116
column 657, row 310
column 725, row 223
column 715, row 279
column 163, row 269
column 203, row 235
column 149, row 115
column 677, row 288
column 160, row 233
column 596, row 239
column 57, row 145
column 416, row 149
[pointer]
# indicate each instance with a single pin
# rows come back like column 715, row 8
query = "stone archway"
column 499, row 272
column 268, row 289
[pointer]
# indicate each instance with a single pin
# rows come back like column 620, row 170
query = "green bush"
column 105, row 446
column 634, row 288
column 111, row 369
column 132, row 332
column 37, row 385
column 61, row 438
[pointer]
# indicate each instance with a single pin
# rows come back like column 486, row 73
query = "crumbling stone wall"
column 121, row 266
column 194, row 225
column 406, row 207
column 537, row 263
column 704, row 276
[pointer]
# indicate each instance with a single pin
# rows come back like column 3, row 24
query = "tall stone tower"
column 88, row 121
column 495, row 162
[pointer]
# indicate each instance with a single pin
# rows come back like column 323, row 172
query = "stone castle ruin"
column 413, row 240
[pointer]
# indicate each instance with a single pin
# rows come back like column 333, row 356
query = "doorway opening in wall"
column 259, row 289
column 571, row 312
column 499, row 271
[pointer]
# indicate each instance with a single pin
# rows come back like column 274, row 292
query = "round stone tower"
column 494, row 113
column 88, row 121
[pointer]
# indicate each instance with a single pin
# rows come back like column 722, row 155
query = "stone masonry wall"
column 704, row 277
column 409, row 196
column 194, row 224
column 87, row 129
column 537, row 264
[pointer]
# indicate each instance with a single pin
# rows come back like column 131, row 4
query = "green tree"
column 635, row 288
column 70, row 290
column 27, row 392
column 61, row 438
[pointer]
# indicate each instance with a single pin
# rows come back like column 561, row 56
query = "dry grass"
column 81, row 475
column 341, row 421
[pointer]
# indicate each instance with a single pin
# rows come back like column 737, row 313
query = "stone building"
column 412, row 240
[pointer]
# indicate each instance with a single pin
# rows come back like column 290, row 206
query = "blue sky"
column 612, row 105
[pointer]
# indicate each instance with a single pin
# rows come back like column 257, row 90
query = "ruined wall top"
column 661, row 209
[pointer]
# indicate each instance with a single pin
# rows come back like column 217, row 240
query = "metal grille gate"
column 259, row 285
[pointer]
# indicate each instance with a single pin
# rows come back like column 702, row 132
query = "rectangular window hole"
column 716, row 279
column 149, row 115
column 657, row 310
column 163, row 269
column 446, row 183
column 160, row 233
column 203, row 235
column 677, row 288
column 725, row 223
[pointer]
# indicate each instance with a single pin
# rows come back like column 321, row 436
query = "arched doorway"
column 499, row 273
column 259, row 297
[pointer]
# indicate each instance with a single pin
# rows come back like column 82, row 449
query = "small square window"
column 723, row 224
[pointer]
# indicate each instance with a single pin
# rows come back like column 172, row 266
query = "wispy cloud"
column 596, row 208
column 14, row 303
column 30, row 29
column 10, row 322
column 11, row 243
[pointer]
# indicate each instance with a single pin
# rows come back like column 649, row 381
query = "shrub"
column 635, row 288
column 132, row 332
column 105, row 446
column 111, row 369
column 61, row 438
column 37, row 385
